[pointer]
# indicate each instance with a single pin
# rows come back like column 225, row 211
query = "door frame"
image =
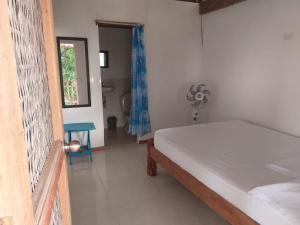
column 120, row 25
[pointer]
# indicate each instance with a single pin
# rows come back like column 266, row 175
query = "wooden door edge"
column 45, row 194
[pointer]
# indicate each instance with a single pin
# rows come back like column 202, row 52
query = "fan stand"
column 196, row 115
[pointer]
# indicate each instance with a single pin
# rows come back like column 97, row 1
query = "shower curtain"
column 139, row 117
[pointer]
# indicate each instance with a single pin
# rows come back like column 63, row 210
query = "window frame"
column 85, row 40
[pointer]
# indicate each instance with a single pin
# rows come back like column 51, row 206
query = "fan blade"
column 199, row 87
column 190, row 97
column 193, row 89
column 206, row 92
column 205, row 100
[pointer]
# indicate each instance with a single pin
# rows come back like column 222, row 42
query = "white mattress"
column 232, row 158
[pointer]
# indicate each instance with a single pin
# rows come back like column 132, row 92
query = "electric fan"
column 197, row 96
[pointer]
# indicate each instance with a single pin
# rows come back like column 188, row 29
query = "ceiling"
column 207, row 6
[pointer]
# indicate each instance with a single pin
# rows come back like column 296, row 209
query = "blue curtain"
column 139, row 118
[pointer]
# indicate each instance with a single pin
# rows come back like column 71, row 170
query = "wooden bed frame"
column 217, row 203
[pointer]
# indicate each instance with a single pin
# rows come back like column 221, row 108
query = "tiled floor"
column 118, row 136
column 115, row 190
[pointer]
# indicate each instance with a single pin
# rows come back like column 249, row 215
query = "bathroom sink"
column 107, row 89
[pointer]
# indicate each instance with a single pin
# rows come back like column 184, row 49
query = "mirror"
column 74, row 71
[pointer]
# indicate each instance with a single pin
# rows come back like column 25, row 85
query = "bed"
column 233, row 166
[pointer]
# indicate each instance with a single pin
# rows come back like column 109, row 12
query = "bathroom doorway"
column 115, row 62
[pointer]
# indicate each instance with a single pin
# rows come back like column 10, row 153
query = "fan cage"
column 27, row 35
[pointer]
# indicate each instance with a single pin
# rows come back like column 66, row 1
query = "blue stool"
column 84, row 149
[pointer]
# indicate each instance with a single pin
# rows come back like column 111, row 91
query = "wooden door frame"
column 60, row 176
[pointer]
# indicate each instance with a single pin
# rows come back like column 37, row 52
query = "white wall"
column 252, row 61
column 174, row 58
column 172, row 31
column 118, row 44
column 72, row 19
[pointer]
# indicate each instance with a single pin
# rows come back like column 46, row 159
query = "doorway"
column 115, row 62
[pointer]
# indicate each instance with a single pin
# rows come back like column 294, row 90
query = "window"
column 68, row 65
column 103, row 59
column 74, row 71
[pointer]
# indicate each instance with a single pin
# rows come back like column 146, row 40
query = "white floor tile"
column 115, row 190
column 130, row 188
column 152, row 211
column 93, row 217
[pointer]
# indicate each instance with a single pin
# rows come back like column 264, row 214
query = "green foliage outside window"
column 69, row 74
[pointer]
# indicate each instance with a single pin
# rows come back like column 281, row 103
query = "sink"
column 107, row 89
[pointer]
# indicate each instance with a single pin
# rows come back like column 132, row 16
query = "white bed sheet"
column 232, row 158
column 282, row 197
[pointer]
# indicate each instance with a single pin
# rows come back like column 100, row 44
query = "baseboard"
column 97, row 149
column 142, row 142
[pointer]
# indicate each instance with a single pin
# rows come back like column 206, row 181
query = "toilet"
column 125, row 101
